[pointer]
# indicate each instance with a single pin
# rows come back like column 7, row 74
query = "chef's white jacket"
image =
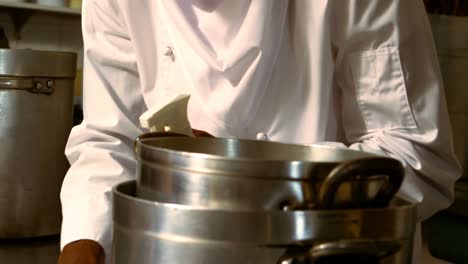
column 361, row 72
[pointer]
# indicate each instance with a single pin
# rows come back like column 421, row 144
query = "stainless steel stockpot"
column 234, row 174
column 147, row 232
column 36, row 115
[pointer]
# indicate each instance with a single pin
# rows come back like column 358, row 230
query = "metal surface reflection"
column 150, row 232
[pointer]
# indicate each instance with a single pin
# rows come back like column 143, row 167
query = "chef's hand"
column 82, row 252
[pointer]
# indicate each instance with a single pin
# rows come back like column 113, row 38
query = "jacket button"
column 262, row 136
column 169, row 52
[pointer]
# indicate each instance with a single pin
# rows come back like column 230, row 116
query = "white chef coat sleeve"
column 100, row 149
column 392, row 96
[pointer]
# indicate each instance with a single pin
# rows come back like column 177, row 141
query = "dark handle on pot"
column 297, row 255
column 364, row 251
column 365, row 168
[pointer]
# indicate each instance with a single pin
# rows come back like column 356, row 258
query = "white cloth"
column 360, row 72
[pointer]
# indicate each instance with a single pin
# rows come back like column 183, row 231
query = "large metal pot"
column 36, row 95
column 232, row 174
column 148, row 232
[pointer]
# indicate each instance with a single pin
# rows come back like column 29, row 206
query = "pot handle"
column 366, row 167
column 356, row 251
column 31, row 85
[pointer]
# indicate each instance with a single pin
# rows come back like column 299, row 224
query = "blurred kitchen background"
column 447, row 232
column 54, row 25
column 50, row 25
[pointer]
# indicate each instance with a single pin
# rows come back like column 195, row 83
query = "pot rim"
column 396, row 204
column 143, row 146
column 158, row 218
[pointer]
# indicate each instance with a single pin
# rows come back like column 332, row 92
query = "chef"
column 360, row 72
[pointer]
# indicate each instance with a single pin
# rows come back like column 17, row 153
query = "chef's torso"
column 257, row 71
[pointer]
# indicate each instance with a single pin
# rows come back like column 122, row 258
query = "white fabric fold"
column 233, row 46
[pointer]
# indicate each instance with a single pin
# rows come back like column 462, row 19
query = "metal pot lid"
column 33, row 63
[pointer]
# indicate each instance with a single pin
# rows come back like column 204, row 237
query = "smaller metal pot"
column 233, row 174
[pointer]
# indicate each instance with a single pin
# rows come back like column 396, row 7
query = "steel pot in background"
column 232, row 174
column 36, row 95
